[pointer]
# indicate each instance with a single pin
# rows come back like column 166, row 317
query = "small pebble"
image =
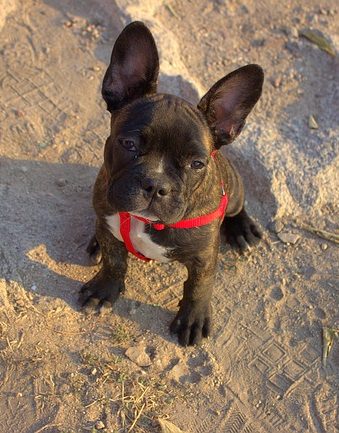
column 99, row 425
column 178, row 372
column 324, row 247
column 314, row 19
column 138, row 355
column 277, row 294
column 34, row 287
column 61, row 182
column 320, row 313
column 288, row 238
column 294, row 32
column 94, row 371
column 276, row 82
column 276, row 226
column 19, row 113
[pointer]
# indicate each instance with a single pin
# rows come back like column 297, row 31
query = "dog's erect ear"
column 227, row 104
column 134, row 67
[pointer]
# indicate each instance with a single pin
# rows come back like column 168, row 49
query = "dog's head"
column 159, row 149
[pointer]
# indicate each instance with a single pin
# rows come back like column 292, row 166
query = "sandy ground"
column 62, row 370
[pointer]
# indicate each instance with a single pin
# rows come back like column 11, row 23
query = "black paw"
column 192, row 322
column 241, row 231
column 101, row 287
column 94, row 251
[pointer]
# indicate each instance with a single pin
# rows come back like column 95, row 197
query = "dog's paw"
column 102, row 288
column 94, row 251
column 242, row 232
column 192, row 322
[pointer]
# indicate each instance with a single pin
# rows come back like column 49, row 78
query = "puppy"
column 164, row 191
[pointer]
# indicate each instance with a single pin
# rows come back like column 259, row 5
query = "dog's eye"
column 128, row 144
column 197, row 164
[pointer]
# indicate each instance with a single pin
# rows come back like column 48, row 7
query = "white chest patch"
column 141, row 241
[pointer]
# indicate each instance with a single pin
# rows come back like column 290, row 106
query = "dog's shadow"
column 47, row 222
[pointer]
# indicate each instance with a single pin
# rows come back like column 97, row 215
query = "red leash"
column 125, row 222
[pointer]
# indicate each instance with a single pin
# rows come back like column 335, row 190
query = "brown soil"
column 63, row 370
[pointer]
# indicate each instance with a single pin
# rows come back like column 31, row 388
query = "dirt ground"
column 66, row 371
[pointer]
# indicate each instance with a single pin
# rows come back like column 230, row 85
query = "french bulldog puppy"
column 164, row 191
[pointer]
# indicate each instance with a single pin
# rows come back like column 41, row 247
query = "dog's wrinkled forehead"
column 165, row 123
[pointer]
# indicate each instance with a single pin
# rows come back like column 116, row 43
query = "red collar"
column 125, row 221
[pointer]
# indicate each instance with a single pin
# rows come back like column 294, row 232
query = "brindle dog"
column 161, row 165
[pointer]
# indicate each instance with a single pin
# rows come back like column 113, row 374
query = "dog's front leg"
column 193, row 320
column 109, row 282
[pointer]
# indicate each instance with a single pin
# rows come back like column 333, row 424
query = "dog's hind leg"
column 241, row 231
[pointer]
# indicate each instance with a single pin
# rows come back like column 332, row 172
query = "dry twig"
column 333, row 237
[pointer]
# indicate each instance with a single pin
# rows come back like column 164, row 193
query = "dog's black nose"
column 154, row 187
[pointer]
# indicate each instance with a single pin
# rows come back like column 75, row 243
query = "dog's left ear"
column 227, row 104
column 133, row 69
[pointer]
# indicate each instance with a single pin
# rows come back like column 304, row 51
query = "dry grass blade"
column 333, row 237
column 138, row 415
column 122, row 415
column 318, row 39
column 168, row 427
column 46, row 427
column 172, row 11
column 312, row 123
column 142, row 394
column 328, row 339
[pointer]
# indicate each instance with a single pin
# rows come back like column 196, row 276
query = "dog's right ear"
column 227, row 104
column 134, row 67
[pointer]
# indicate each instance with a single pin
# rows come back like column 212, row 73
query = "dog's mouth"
column 153, row 216
column 146, row 215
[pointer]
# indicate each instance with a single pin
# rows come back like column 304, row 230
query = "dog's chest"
column 141, row 241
